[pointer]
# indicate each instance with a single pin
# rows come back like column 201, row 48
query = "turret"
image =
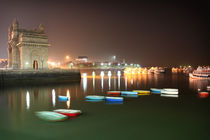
column 41, row 28
column 15, row 27
column 15, row 24
column 9, row 32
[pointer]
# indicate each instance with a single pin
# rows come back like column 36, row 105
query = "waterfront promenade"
column 37, row 77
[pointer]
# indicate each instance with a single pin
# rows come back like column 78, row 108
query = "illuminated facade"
column 27, row 49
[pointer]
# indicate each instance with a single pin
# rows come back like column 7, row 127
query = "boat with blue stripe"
column 156, row 90
column 95, row 97
column 129, row 92
column 63, row 98
column 114, row 99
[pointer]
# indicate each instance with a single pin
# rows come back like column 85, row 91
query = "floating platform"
column 38, row 77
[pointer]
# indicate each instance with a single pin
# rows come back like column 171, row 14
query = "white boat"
column 51, row 116
column 171, row 89
column 68, row 112
column 169, row 92
column 208, row 88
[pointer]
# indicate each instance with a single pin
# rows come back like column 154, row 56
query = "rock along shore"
column 38, row 77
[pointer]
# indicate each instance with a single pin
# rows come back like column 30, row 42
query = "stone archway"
column 35, row 64
column 35, row 59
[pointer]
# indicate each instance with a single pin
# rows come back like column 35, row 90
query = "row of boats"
column 111, row 95
column 63, row 114
column 155, row 70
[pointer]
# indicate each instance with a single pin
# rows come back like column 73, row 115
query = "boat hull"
column 114, row 92
column 114, row 99
column 94, row 97
column 142, row 91
column 51, row 116
column 63, row 98
column 129, row 92
column 68, row 112
column 154, row 90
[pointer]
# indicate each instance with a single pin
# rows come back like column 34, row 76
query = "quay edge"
column 38, row 77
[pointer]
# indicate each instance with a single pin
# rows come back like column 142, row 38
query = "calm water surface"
column 144, row 117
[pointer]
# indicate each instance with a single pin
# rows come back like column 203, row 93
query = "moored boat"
column 68, row 112
column 113, row 92
column 171, row 89
column 94, row 97
column 51, row 116
column 203, row 94
column 208, row 88
column 155, row 90
column 130, row 95
column 169, row 92
column 129, row 92
column 115, row 99
column 200, row 73
column 142, row 91
column 63, row 98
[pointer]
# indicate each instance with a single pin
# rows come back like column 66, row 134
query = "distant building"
column 3, row 63
column 82, row 59
column 28, row 49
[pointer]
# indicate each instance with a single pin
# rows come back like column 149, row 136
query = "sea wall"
column 38, row 77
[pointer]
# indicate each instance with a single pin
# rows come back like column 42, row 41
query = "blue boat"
column 130, row 95
column 95, row 97
column 129, row 92
column 155, row 90
column 63, row 98
column 114, row 99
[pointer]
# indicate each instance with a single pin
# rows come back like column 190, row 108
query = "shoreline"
column 38, row 77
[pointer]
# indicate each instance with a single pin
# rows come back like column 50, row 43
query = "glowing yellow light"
column 67, row 57
column 69, row 100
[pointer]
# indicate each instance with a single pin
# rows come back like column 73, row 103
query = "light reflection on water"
column 27, row 100
column 20, row 103
column 53, row 98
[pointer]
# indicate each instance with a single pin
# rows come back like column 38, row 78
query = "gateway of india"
column 27, row 49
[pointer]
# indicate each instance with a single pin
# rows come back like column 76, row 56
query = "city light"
column 67, row 57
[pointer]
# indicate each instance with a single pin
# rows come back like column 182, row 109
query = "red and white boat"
column 68, row 112
column 200, row 73
column 203, row 94
column 113, row 92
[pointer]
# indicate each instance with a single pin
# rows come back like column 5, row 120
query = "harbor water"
column 146, row 117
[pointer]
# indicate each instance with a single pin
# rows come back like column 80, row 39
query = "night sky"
column 151, row 33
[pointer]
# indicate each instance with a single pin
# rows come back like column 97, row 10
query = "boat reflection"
column 114, row 102
column 131, row 96
column 168, row 95
column 88, row 100
column 198, row 83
